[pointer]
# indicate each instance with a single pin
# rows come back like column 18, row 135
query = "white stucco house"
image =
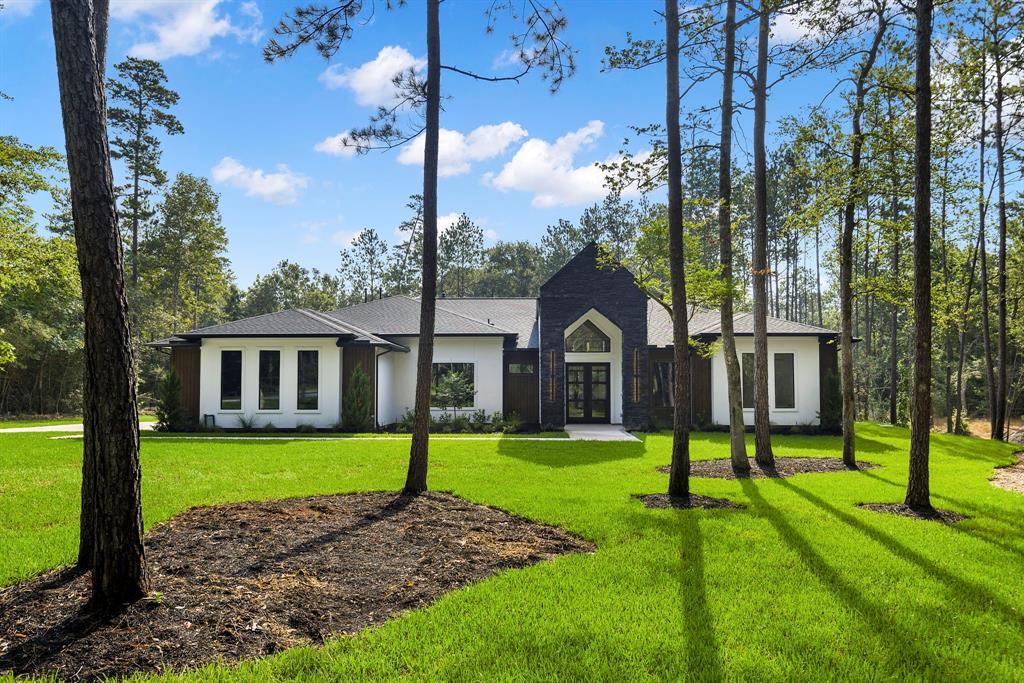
column 591, row 348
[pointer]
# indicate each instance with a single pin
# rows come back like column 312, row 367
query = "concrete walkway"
column 74, row 427
column 581, row 432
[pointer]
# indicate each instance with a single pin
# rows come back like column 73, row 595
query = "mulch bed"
column 721, row 468
column 934, row 515
column 244, row 580
column 1011, row 477
column 663, row 500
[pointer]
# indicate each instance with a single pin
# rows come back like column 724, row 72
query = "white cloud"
column 280, row 187
column 335, row 145
column 372, row 82
column 456, row 151
column 17, row 9
column 445, row 222
column 174, row 28
column 491, row 234
column 548, row 171
column 344, row 238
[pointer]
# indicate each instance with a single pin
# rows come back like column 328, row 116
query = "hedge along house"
column 591, row 348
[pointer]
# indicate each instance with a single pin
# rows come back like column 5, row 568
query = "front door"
column 586, row 392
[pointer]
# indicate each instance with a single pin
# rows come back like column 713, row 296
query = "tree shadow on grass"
column 566, row 453
column 702, row 649
column 889, row 632
column 970, row 595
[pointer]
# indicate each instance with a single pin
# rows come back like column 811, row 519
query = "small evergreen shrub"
column 170, row 414
column 305, row 428
column 357, row 415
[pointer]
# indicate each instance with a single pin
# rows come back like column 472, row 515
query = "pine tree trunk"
column 416, row 480
column 111, row 544
column 961, row 389
column 737, row 440
column 1002, row 386
column 762, row 427
column 921, row 404
column 947, row 340
column 817, row 272
column 983, row 283
column 679, row 476
column 894, row 349
column 846, row 247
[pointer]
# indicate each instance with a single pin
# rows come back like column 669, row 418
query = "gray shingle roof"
column 709, row 321
column 400, row 316
column 295, row 322
column 518, row 315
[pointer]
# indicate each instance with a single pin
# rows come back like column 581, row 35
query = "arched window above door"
column 588, row 338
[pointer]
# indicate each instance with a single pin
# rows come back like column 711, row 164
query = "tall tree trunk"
column 416, row 479
column 762, row 434
column 946, row 339
column 983, row 283
column 961, row 389
column 846, row 246
column 921, row 400
column 737, row 440
column 679, row 476
column 111, row 544
column 135, row 195
column 817, row 272
column 998, row 427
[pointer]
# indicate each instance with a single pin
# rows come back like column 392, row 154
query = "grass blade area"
column 800, row 585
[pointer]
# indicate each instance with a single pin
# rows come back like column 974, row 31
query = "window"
column 230, row 380
column 309, row 381
column 748, row 380
column 662, row 382
column 270, row 380
column 441, row 370
column 785, row 383
column 587, row 338
column 521, row 368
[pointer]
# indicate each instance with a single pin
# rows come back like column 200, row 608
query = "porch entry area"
column 587, row 394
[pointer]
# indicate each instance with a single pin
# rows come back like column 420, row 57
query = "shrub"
column 269, row 427
column 170, row 415
column 305, row 428
column 357, row 415
column 510, row 424
column 246, row 422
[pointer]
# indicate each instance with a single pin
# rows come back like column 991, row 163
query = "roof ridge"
column 320, row 317
column 229, row 322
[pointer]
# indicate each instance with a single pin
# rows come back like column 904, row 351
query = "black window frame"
column 299, row 380
column 270, row 402
column 236, row 365
column 600, row 336
column 747, row 387
column 779, row 405
column 435, row 375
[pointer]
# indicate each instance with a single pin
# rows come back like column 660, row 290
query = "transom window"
column 587, row 338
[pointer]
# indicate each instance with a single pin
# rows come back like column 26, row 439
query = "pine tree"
column 357, row 412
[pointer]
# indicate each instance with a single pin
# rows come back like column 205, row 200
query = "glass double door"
column 587, row 392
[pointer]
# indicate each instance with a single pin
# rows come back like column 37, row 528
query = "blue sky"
column 254, row 128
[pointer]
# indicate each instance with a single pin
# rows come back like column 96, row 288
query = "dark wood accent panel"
column 353, row 357
column 185, row 362
column 521, row 391
column 700, row 388
column 828, row 356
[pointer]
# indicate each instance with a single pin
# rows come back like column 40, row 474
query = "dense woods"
column 842, row 168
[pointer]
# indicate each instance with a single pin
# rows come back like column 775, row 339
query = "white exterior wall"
column 613, row 358
column 329, row 366
column 806, row 378
column 398, row 394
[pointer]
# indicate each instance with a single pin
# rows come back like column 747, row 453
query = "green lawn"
column 800, row 585
column 71, row 419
